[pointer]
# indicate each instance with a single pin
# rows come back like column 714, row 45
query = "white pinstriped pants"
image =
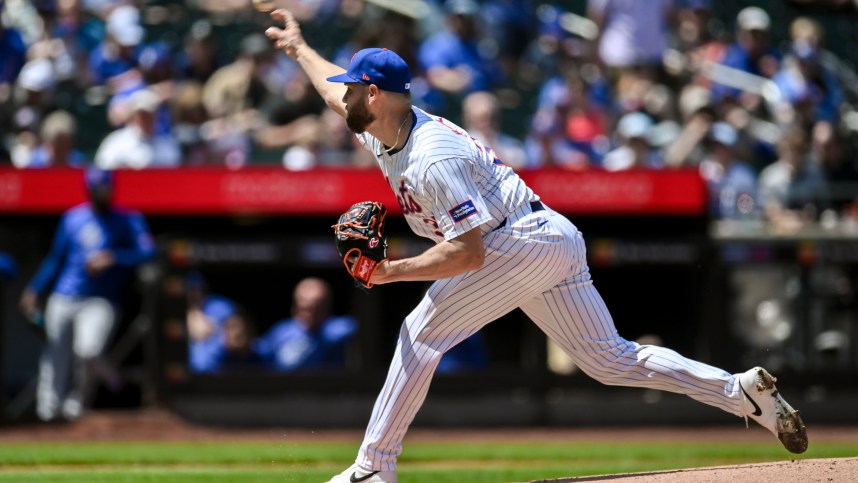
column 542, row 268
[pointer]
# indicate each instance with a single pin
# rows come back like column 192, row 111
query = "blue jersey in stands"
column 290, row 346
column 210, row 354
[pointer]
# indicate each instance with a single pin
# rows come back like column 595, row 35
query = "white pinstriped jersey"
column 446, row 182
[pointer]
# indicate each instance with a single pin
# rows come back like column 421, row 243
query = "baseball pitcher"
column 497, row 247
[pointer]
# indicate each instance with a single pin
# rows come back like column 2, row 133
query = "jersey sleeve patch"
column 462, row 211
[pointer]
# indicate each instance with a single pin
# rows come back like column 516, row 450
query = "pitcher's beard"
column 358, row 118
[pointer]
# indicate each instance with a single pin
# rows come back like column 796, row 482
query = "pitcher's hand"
column 288, row 38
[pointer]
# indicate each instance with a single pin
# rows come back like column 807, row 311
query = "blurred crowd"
column 754, row 100
column 223, row 337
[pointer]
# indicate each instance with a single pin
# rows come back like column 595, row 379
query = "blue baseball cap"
column 98, row 178
column 381, row 67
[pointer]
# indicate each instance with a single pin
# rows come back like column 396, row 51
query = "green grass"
column 300, row 462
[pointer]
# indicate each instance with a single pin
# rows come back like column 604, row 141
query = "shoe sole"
column 791, row 429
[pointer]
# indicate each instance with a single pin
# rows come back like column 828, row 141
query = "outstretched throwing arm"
column 318, row 69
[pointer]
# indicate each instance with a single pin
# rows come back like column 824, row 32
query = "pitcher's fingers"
column 274, row 33
column 282, row 15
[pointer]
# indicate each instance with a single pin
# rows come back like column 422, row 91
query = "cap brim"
column 344, row 78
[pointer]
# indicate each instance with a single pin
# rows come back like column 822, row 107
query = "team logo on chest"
column 90, row 236
column 406, row 201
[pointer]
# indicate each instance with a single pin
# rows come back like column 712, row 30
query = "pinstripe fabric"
column 440, row 167
column 536, row 261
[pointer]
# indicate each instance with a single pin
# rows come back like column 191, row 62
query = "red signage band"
column 330, row 191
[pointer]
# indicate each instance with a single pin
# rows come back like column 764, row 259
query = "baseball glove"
column 360, row 240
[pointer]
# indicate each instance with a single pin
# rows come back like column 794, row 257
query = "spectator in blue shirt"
column 810, row 90
column 13, row 53
column 451, row 59
column 153, row 72
column 752, row 52
column 312, row 338
column 229, row 348
column 95, row 247
column 219, row 335
column 117, row 54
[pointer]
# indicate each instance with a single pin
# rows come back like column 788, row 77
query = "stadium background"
column 667, row 268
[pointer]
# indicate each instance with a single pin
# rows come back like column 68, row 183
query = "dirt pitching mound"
column 813, row 470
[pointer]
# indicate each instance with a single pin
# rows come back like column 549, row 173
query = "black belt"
column 534, row 207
